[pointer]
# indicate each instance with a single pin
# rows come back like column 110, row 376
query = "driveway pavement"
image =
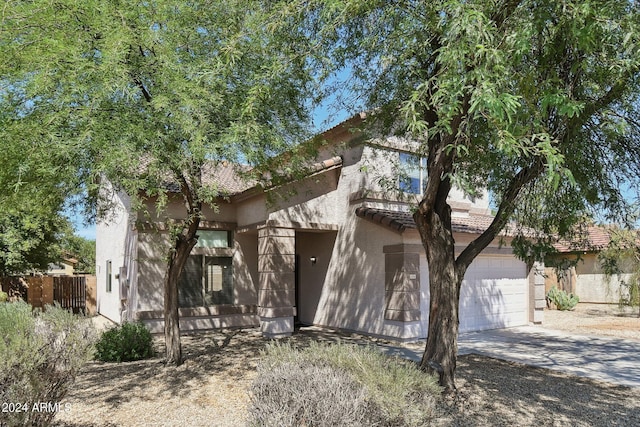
column 607, row 359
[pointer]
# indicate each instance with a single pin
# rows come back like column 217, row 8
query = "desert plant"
column 561, row 299
column 630, row 292
column 40, row 356
column 313, row 395
column 339, row 385
column 124, row 343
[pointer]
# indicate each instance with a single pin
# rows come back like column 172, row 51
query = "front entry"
column 314, row 252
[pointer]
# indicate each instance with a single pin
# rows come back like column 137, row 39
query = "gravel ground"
column 211, row 387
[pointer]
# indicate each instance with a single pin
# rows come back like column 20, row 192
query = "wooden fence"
column 74, row 293
column 70, row 292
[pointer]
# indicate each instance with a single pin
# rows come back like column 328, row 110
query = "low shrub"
column 561, row 299
column 310, row 395
column 3, row 296
column 124, row 343
column 40, row 356
column 340, row 385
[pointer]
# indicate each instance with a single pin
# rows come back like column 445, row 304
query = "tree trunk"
column 444, row 285
column 177, row 260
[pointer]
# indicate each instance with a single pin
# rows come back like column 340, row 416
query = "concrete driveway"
column 607, row 359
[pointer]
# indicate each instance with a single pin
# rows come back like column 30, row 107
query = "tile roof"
column 400, row 221
column 230, row 180
column 595, row 238
column 227, row 177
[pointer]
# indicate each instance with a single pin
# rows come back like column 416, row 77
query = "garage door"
column 494, row 294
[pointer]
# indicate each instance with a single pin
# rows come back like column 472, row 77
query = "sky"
column 80, row 227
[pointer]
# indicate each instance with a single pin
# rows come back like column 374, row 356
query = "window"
column 108, row 275
column 214, row 239
column 207, row 277
column 411, row 176
column 206, row 280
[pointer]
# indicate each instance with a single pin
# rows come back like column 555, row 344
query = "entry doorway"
column 314, row 251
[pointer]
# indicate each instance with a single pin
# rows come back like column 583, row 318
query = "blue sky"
column 80, row 228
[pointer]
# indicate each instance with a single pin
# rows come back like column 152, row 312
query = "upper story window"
column 412, row 173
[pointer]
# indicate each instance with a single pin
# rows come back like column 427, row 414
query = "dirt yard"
column 596, row 319
column 211, row 387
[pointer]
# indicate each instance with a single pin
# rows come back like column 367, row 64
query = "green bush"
column 3, row 296
column 40, row 356
column 340, row 385
column 561, row 299
column 124, row 343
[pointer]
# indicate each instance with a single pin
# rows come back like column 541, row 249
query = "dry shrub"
column 294, row 395
column 340, row 385
column 40, row 355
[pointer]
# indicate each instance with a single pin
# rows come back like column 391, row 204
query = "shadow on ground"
column 491, row 392
column 499, row 393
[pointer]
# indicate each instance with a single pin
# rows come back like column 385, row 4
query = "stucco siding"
column 353, row 296
column 152, row 249
column 220, row 211
column 588, row 281
column 340, row 258
column 114, row 236
column 593, row 286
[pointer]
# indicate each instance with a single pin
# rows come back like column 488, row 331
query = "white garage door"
column 494, row 294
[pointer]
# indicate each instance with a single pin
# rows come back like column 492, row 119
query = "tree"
column 534, row 100
column 153, row 96
column 29, row 240
column 622, row 255
column 32, row 238
column 35, row 181
column 82, row 249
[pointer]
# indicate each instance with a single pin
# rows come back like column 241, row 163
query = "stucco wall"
column 588, row 281
column 314, row 253
column 221, row 211
column 345, row 288
column 593, row 286
column 353, row 296
column 152, row 250
column 350, row 289
column 114, row 236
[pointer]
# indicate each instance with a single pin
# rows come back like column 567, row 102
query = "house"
column 576, row 268
column 64, row 267
column 338, row 250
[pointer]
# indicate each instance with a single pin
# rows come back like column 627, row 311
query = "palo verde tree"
column 535, row 101
column 153, row 96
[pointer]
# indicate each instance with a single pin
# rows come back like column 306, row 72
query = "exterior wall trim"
column 146, row 226
column 296, row 225
column 215, row 310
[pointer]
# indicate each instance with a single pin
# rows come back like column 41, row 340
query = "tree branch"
column 504, row 11
column 506, row 208
column 143, row 89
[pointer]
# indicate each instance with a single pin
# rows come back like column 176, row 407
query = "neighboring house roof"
column 595, row 239
column 400, row 220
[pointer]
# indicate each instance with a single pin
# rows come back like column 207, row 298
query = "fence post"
column 47, row 290
column 34, row 291
column 91, row 303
